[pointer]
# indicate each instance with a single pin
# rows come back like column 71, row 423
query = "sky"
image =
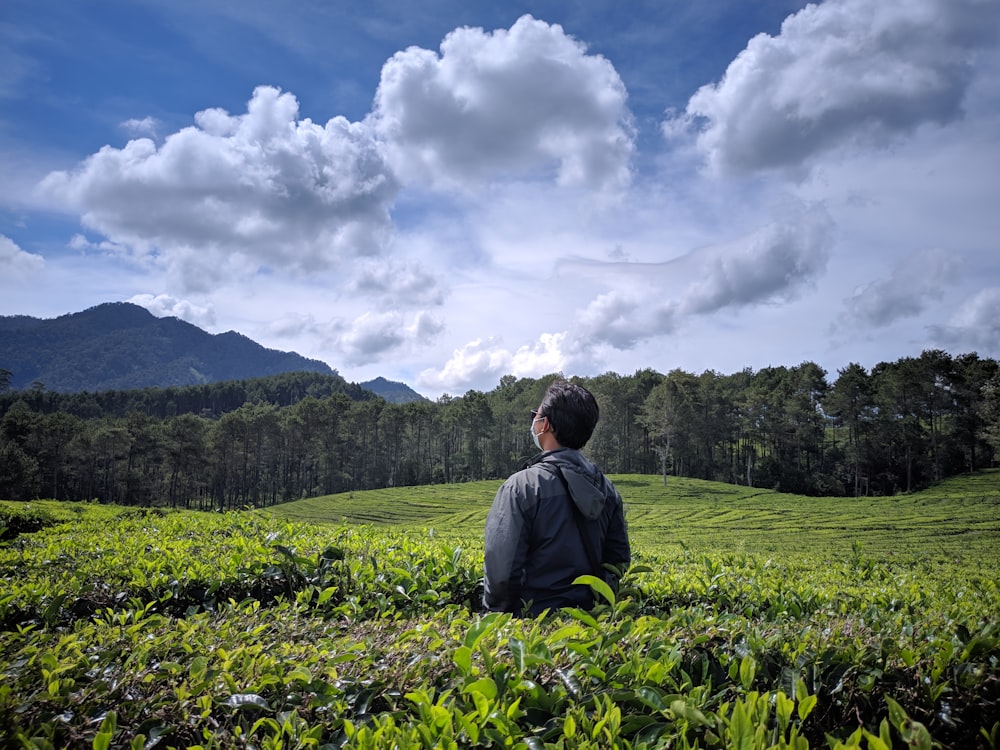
column 446, row 192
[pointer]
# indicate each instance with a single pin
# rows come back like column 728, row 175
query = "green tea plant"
column 121, row 628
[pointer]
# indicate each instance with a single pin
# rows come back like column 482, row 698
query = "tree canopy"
column 896, row 428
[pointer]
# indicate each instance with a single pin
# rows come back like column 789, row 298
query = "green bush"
column 128, row 628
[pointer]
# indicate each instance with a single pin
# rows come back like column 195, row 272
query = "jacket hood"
column 586, row 483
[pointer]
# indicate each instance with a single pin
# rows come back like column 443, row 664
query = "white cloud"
column 163, row 305
column 292, row 325
column 482, row 362
column 477, row 361
column 518, row 102
column 147, row 126
column 371, row 335
column 84, row 245
column 975, row 325
column 843, row 73
column 425, row 328
column 551, row 353
column 235, row 194
column 397, row 284
column 772, row 264
column 622, row 320
column 914, row 283
column 16, row 263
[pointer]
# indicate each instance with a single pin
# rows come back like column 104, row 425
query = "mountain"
column 121, row 346
column 391, row 391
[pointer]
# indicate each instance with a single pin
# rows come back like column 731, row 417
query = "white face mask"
column 534, row 437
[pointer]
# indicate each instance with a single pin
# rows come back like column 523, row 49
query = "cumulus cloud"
column 291, row 325
column 840, row 73
column 772, row 264
column 237, row 193
column 478, row 360
column 104, row 247
column 164, row 305
column 265, row 191
column 16, row 263
column 398, row 284
column 912, row 285
column 425, row 327
column 487, row 360
column 369, row 336
column 147, row 126
column 509, row 102
column 622, row 320
column 975, row 325
column 373, row 335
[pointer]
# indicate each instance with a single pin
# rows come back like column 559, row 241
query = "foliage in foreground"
column 132, row 628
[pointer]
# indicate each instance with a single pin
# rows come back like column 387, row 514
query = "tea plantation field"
column 750, row 619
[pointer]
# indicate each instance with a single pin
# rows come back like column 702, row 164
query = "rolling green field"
column 958, row 519
column 751, row 619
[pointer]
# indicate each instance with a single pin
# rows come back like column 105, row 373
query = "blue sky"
column 443, row 193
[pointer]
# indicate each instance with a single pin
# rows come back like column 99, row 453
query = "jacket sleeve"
column 616, row 545
column 508, row 528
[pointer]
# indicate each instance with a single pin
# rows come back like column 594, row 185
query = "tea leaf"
column 247, row 700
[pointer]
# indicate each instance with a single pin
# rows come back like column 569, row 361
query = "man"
column 558, row 519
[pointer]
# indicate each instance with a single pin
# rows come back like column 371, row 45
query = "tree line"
column 897, row 427
column 207, row 399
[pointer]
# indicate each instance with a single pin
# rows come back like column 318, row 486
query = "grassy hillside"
column 958, row 518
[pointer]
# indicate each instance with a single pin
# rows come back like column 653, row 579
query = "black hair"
column 572, row 411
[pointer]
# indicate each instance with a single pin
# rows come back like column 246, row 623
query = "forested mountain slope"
column 121, row 346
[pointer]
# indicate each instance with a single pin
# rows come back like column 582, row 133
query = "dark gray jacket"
column 534, row 549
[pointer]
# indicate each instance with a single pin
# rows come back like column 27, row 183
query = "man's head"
column 571, row 411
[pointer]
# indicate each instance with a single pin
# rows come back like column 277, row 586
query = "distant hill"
column 393, row 392
column 121, row 346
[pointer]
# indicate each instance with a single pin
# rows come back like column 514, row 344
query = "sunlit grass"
column 958, row 519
